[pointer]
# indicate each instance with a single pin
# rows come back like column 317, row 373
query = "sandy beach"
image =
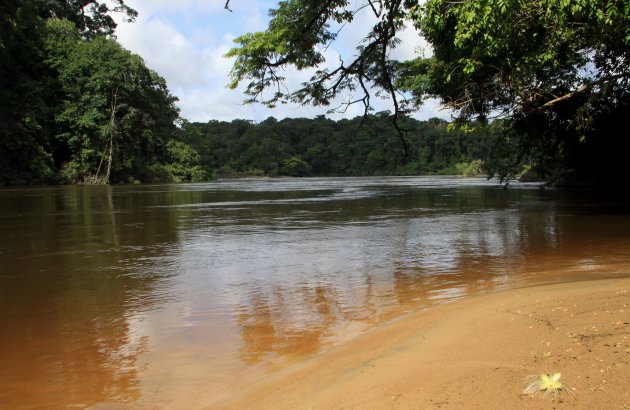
column 473, row 353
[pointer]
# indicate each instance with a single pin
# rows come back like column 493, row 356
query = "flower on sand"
column 544, row 383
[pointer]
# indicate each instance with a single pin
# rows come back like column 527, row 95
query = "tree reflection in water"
column 155, row 295
column 73, row 274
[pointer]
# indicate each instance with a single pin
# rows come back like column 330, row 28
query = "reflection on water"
column 151, row 295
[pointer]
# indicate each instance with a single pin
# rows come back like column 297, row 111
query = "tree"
column 91, row 17
column 76, row 106
column 183, row 162
column 24, row 88
column 498, row 56
column 557, row 69
column 322, row 147
column 29, row 85
column 116, row 115
column 295, row 166
column 299, row 32
column 297, row 35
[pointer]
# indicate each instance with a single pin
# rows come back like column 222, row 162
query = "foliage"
column 322, row 147
column 183, row 162
column 24, row 143
column 295, row 166
column 556, row 70
column 518, row 56
column 77, row 107
column 298, row 34
column 473, row 168
column 92, row 18
column 116, row 114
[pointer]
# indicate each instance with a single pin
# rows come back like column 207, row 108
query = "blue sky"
column 185, row 41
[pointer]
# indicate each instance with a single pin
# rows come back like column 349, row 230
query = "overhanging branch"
column 565, row 97
column 582, row 89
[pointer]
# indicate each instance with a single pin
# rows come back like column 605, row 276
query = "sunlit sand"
column 472, row 353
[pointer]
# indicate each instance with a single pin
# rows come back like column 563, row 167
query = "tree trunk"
column 103, row 180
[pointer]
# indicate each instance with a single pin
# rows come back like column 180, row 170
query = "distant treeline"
column 349, row 147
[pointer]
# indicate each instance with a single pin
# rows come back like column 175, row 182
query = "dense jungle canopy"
column 76, row 106
column 541, row 83
column 350, row 147
column 556, row 71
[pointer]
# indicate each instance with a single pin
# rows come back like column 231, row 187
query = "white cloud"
column 165, row 50
column 412, row 45
column 185, row 42
column 149, row 7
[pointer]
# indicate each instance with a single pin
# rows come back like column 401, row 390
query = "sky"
column 185, row 41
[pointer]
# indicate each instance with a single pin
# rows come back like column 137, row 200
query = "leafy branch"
column 297, row 34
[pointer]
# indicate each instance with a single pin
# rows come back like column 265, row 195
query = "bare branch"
column 377, row 13
column 371, row 67
column 581, row 89
column 567, row 96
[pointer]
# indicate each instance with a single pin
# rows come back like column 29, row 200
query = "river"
column 172, row 296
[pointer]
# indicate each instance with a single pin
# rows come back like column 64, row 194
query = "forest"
column 535, row 84
column 363, row 146
column 76, row 106
column 82, row 109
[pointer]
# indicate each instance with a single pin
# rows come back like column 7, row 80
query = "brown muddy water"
column 173, row 296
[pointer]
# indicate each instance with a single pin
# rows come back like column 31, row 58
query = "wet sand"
column 473, row 353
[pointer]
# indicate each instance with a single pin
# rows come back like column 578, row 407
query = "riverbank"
column 473, row 353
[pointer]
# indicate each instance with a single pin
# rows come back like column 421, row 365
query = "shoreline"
column 471, row 353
